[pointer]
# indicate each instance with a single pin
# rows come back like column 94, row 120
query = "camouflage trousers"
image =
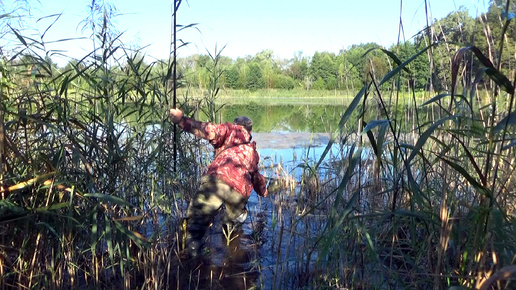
column 212, row 194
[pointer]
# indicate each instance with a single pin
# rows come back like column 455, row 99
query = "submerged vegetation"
column 93, row 190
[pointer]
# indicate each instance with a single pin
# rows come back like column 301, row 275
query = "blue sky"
column 247, row 27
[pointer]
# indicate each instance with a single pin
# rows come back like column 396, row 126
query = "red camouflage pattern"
column 236, row 159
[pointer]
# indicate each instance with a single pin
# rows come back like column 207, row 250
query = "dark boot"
column 193, row 246
column 194, row 239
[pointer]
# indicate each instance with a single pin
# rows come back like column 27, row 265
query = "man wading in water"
column 229, row 179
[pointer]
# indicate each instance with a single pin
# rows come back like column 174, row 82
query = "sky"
column 245, row 27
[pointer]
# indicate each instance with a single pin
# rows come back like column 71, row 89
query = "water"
column 287, row 118
column 264, row 251
column 268, row 251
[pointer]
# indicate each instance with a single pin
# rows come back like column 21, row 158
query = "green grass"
column 294, row 96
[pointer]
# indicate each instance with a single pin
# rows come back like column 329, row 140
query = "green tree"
column 347, row 73
column 419, row 67
column 499, row 45
column 255, row 79
column 231, row 77
column 323, row 67
column 283, row 82
column 298, row 67
column 243, row 73
column 355, row 56
column 319, row 84
column 202, row 73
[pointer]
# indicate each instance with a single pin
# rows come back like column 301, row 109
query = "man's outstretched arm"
column 203, row 130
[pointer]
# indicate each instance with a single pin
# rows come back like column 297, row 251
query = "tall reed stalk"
column 86, row 183
column 433, row 210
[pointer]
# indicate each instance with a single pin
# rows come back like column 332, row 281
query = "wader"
column 212, row 193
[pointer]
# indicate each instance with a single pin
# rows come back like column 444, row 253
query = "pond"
column 287, row 118
column 268, row 253
column 289, row 134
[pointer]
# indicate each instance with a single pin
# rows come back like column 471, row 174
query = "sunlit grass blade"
column 425, row 136
column 25, row 184
column 109, row 198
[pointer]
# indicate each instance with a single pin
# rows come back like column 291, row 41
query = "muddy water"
column 271, row 250
column 265, row 254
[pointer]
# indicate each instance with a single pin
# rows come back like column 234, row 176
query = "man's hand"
column 176, row 115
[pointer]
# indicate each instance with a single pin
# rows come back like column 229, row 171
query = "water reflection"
column 286, row 118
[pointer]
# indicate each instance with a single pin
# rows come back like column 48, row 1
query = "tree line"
column 349, row 69
column 433, row 49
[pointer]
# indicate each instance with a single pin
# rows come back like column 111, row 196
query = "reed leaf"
column 325, row 152
column 136, row 237
column 510, row 145
column 18, row 35
column 341, row 211
column 55, row 206
column 347, row 209
column 377, row 147
column 10, row 210
column 52, row 230
column 342, row 122
column 109, row 239
column 472, row 160
column 375, row 123
column 403, row 65
column 391, row 55
column 441, row 96
column 354, row 159
column 351, row 108
column 508, row 120
column 426, row 135
column 108, row 198
column 483, row 190
column 55, row 19
column 498, row 77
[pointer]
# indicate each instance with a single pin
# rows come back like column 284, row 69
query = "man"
column 229, row 179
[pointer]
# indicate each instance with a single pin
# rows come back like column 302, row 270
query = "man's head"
column 244, row 122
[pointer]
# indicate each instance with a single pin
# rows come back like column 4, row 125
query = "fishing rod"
column 174, row 76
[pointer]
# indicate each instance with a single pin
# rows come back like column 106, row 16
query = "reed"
column 86, row 178
column 399, row 199
column 428, row 209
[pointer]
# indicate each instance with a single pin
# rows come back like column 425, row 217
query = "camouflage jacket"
column 236, row 159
